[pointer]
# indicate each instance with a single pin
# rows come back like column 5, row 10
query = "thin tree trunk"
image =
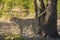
column 41, row 18
column 36, row 8
column 36, row 16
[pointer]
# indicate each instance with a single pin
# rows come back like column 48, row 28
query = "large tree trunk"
column 48, row 19
column 50, row 24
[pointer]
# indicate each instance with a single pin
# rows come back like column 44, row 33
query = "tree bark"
column 41, row 18
column 48, row 19
column 50, row 24
column 36, row 8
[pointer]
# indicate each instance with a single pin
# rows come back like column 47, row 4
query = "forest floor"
column 5, row 22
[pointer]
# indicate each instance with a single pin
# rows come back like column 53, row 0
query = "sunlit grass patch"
column 15, row 37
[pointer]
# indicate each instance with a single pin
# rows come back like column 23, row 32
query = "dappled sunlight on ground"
column 14, row 25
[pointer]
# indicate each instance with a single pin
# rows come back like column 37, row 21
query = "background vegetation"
column 16, row 7
column 19, row 8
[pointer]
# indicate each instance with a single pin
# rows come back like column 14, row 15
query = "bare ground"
column 14, row 28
